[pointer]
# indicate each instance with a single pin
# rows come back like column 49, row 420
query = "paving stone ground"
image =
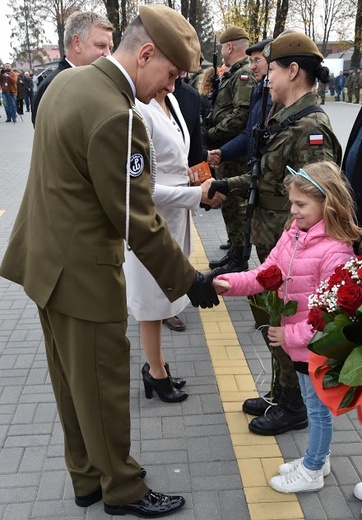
column 186, row 447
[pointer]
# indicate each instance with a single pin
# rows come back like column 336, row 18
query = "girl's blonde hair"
column 205, row 85
column 339, row 214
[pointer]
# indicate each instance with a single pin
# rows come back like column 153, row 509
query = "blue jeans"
column 10, row 105
column 320, row 424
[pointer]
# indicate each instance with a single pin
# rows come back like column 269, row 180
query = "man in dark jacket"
column 87, row 36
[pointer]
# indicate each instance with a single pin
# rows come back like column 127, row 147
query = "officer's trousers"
column 89, row 369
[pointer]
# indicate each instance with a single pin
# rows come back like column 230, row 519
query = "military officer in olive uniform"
column 228, row 119
column 350, row 81
column 89, row 188
column 300, row 133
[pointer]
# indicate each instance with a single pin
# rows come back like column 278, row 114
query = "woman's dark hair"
column 310, row 64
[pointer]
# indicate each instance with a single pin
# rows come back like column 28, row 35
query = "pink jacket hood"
column 306, row 258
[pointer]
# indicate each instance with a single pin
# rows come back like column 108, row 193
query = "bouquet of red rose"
column 271, row 279
column 336, row 314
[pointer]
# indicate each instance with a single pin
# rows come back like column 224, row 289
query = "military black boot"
column 258, row 405
column 224, row 260
column 289, row 414
column 234, row 264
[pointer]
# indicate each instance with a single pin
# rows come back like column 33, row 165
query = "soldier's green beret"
column 173, row 35
column 289, row 45
column 233, row 33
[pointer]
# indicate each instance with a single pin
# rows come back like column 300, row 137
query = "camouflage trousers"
column 234, row 208
column 283, row 365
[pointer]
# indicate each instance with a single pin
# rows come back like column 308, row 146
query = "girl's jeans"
column 320, row 424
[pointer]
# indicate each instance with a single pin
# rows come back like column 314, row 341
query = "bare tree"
column 27, row 32
column 280, row 16
column 356, row 56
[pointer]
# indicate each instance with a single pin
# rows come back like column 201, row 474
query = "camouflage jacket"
column 350, row 81
column 231, row 109
column 309, row 139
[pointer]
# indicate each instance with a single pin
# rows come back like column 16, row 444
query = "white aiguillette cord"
column 153, row 167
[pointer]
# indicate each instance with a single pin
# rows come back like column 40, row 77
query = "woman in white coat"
column 174, row 199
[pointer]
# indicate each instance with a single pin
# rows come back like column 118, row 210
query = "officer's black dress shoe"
column 96, row 496
column 152, row 505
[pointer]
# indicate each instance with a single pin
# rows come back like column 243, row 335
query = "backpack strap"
column 276, row 129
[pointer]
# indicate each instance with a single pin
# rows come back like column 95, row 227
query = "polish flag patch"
column 244, row 77
column 316, row 139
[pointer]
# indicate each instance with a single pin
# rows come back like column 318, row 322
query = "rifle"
column 215, row 76
column 259, row 139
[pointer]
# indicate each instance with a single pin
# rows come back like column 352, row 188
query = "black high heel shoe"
column 163, row 388
column 177, row 383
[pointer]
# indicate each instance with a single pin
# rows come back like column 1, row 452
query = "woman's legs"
column 151, row 339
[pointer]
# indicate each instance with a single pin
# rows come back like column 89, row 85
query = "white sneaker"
column 298, row 480
column 288, row 466
column 358, row 491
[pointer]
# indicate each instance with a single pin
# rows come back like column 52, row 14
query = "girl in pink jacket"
column 317, row 239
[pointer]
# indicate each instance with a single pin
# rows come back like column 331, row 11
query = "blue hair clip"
column 304, row 174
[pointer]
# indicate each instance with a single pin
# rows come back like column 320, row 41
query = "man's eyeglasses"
column 255, row 61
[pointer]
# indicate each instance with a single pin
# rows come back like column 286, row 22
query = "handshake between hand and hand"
column 202, row 293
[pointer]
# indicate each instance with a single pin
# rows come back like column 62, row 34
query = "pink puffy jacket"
column 307, row 258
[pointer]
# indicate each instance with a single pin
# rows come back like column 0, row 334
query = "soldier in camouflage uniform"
column 357, row 85
column 350, row 84
column 293, row 59
column 228, row 118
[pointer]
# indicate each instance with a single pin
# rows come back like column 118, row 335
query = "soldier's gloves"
column 202, row 293
column 220, row 186
column 206, row 207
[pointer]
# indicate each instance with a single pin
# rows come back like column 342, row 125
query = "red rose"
column 349, row 298
column 339, row 276
column 359, row 273
column 271, row 278
column 315, row 318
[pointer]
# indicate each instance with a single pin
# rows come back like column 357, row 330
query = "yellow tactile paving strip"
column 258, row 457
column 2, row 211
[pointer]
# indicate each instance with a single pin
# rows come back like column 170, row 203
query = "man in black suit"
column 87, row 37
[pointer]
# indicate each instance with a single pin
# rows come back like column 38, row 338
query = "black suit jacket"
column 355, row 176
column 189, row 101
column 63, row 64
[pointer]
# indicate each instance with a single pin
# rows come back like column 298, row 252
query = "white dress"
column 174, row 200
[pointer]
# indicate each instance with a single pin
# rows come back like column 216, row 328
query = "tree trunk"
column 112, row 7
column 356, row 56
column 280, row 17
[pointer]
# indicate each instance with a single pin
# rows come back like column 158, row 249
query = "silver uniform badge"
column 137, row 165
column 266, row 50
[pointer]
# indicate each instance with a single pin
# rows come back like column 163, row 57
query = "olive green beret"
column 291, row 44
column 233, row 33
column 173, row 35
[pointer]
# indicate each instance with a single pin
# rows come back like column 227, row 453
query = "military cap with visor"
column 173, row 35
column 291, row 45
column 258, row 47
column 233, row 33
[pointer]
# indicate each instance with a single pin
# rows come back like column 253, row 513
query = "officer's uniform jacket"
column 67, row 245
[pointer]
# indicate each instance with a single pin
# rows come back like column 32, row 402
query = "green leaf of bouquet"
column 290, row 308
column 327, row 317
column 331, row 326
column 334, row 345
column 275, row 319
column 351, row 372
column 341, row 320
column 353, row 332
column 348, row 398
column 331, row 378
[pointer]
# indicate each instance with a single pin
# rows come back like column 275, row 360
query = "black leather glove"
column 206, row 207
column 220, row 186
column 202, row 293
